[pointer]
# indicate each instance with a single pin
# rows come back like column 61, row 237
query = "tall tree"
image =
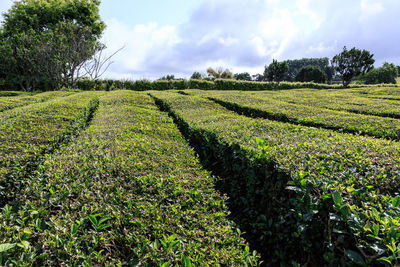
column 311, row 74
column 48, row 41
column 275, row 72
column 351, row 63
column 219, row 73
column 245, row 76
column 296, row 64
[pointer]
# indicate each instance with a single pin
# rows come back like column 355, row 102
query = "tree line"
column 347, row 66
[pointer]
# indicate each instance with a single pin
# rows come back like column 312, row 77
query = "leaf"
column 337, row 198
column 104, row 219
column 5, row 247
column 93, row 219
column 396, row 202
column 24, row 244
column 354, row 256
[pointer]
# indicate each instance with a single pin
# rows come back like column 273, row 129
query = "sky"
column 179, row 37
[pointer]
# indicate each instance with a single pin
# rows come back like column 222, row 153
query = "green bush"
column 304, row 195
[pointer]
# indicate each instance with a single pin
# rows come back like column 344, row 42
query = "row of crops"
column 108, row 178
column 301, row 193
column 126, row 189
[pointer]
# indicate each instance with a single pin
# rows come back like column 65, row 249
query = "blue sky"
column 182, row 36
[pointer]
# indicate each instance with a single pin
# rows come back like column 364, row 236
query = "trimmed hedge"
column 218, row 84
column 10, row 100
column 128, row 191
column 35, row 130
column 342, row 100
column 253, row 105
column 302, row 194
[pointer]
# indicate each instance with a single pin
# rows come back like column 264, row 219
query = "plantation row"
column 127, row 190
column 302, row 194
column 217, row 84
column 342, row 100
column 29, row 132
column 254, row 105
column 7, row 102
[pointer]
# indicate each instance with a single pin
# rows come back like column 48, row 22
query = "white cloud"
column 142, row 44
column 371, row 8
column 246, row 35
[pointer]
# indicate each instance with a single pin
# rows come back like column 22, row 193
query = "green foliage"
column 311, row 74
column 168, row 77
column 42, row 15
column 196, row 75
column 245, row 76
column 19, row 100
column 353, row 101
column 385, row 74
column 263, row 105
column 44, row 43
column 302, row 194
column 351, row 63
column 296, row 65
column 275, row 71
column 128, row 190
column 28, row 133
column 219, row 73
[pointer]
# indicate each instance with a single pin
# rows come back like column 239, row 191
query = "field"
column 200, row 178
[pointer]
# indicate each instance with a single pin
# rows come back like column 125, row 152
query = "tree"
column 168, row 77
column 275, row 71
column 351, row 63
column 245, row 76
column 385, row 74
column 311, row 74
column 296, row 64
column 219, row 73
column 48, row 41
column 99, row 62
column 196, row 75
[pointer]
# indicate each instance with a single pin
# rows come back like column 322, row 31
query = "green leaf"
column 5, row 247
column 354, row 256
column 396, row 202
column 24, row 244
column 93, row 219
column 337, row 198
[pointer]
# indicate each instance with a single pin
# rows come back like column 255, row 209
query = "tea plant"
column 302, row 194
column 265, row 107
column 127, row 191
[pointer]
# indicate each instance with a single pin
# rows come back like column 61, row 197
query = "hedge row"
column 302, row 194
column 35, row 130
column 143, row 85
column 339, row 100
column 219, row 84
column 265, row 107
column 9, row 100
column 128, row 191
